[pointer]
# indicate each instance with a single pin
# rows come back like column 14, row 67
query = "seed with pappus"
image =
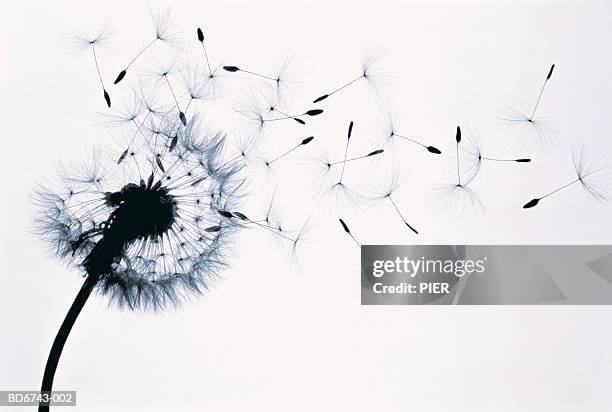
column 163, row 33
column 591, row 173
column 98, row 39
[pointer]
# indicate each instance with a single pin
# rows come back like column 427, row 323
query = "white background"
column 270, row 337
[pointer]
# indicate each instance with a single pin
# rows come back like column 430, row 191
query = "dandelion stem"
column 538, row 101
column 505, row 160
column 172, row 91
column 396, row 208
column 284, row 154
column 272, row 229
column 550, row 72
column 412, row 140
column 139, row 53
column 257, row 74
column 349, row 160
column 559, row 189
column 345, row 86
column 93, row 49
column 206, row 57
column 344, row 161
column 458, row 169
column 401, row 216
column 62, row 336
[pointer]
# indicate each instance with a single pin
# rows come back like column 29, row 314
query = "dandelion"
column 148, row 233
column 98, row 39
column 163, row 33
column 526, row 121
column 591, row 173
column 369, row 72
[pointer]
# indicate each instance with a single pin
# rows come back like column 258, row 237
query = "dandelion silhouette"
column 99, row 39
column 369, row 69
column 145, row 236
column 521, row 119
column 163, row 33
column 591, row 173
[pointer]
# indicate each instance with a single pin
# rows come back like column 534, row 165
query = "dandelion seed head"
column 141, row 225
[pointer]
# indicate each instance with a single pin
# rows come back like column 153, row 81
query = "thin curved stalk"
column 62, row 336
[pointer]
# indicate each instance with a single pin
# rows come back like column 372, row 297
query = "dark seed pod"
column 173, row 143
column 156, row 186
column 375, row 152
column 212, row 229
column 120, row 76
column 432, row 149
column 307, row 140
column 107, row 98
column 531, row 203
column 122, row 157
column 225, row 213
column 231, row 69
column 150, row 181
column 240, row 216
column 350, row 130
column 300, row 121
column 320, row 98
column 458, row 135
column 523, row 160
column 183, row 118
column 159, row 164
column 550, row 72
column 200, row 35
column 314, row 112
column 198, row 181
column 411, row 228
column 344, row 226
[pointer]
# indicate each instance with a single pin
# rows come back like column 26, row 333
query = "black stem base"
column 62, row 336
